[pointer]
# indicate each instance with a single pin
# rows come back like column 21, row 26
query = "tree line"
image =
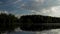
column 8, row 22
column 28, row 22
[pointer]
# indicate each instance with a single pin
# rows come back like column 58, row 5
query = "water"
column 52, row 31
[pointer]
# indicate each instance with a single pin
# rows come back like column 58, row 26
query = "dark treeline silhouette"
column 39, row 19
column 9, row 22
column 34, row 22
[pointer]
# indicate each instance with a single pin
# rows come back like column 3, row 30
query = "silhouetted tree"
column 34, row 22
column 8, row 22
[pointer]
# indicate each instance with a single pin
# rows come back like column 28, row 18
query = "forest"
column 35, row 22
column 8, row 22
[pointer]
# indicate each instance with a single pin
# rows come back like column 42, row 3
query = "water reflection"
column 52, row 31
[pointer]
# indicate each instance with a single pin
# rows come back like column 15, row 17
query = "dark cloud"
column 27, row 6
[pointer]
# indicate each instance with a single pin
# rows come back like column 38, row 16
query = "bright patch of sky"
column 28, row 7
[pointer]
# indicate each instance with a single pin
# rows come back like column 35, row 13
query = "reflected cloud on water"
column 52, row 31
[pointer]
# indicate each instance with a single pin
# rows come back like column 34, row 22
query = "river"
column 52, row 31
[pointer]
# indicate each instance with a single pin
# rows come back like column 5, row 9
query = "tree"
column 34, row 22
column 8, row 22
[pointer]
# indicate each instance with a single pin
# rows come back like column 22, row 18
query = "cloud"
column 51, row 11
column 17, row 1
column 42, row 7
column 1, row 2
column 4, row 12
column 38, row 4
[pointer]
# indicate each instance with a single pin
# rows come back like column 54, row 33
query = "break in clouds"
column 28, row 7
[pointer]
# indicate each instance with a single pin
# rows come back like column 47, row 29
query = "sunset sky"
column 29, row 7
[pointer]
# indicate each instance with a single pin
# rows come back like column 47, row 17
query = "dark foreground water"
column 19, row 31
column 52, row 31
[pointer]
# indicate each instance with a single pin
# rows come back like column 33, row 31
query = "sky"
column 29, row 7
column 35, row 7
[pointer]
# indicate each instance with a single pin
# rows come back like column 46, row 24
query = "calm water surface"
column 52, row 31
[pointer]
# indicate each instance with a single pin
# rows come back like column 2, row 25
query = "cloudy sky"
column 28, row 7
